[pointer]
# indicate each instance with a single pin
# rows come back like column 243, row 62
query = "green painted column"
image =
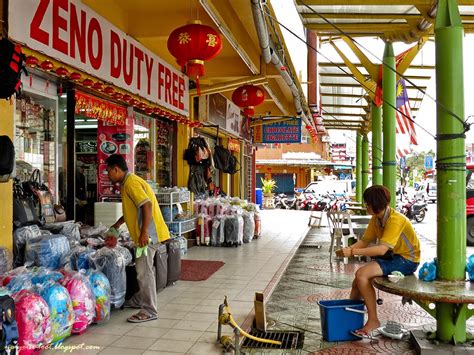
column 376, row 145
column 389, row 141
column 450, row 165
column 359, row 168
column 365, row 162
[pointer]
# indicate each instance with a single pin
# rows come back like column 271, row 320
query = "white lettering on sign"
column 74, row 34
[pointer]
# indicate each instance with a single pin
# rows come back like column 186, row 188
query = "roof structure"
column 346, row 98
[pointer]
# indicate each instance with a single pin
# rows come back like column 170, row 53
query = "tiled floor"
column 188, row 311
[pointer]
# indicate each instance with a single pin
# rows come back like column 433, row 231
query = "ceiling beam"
column 366, row 27
column 356, row 85
column 228, row 86
column 345, row 114
column 338, row 64
column 343, row 75
column 359, row 15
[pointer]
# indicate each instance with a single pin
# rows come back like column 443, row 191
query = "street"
column 426, row 231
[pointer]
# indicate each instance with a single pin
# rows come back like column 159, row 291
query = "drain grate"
column 289, row 340
column 311, row 245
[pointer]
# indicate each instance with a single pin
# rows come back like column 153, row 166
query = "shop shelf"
column 173, row 197
column 180, row 227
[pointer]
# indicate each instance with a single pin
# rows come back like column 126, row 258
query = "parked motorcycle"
column 414, row 210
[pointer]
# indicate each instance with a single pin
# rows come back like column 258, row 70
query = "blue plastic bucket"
column 340, row 317
column 259, row 197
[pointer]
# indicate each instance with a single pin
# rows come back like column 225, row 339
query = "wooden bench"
column 425, row 293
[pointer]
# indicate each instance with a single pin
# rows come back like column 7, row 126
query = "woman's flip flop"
column 362, row 334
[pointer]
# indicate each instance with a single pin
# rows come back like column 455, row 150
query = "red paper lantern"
column 118, row 96
column 134, row 102
column 62, row 72
column 98, row 86
column 157, row 111
column 247, row 97
column 75, row 76
column 109, row 90
column 47, row 65
column 193, row 44
column 148, row 110
column 87, row 83
column 32, row 61
column 126, row 98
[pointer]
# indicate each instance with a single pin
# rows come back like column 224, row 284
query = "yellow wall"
column 6, row 193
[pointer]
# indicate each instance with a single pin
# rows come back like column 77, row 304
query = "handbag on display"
column 24, row 210
column 59, row 213
column 44, row 197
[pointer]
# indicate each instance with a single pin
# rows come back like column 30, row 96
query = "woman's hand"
column 344, row 252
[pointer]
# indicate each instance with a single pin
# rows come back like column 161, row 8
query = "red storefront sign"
column 92, row 107
column 72, row 33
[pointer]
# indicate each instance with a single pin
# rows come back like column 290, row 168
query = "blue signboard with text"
column 428, row 162
column 282, row 132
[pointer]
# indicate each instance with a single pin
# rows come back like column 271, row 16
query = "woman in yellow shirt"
column 397, row 249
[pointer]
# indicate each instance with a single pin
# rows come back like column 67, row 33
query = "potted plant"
column 267, row 188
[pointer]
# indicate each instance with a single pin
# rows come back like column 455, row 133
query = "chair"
column 340, row 228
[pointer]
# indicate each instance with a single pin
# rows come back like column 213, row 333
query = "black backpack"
column 12, row 63
column 224, row 160
column 8, row 325
column 7, row 158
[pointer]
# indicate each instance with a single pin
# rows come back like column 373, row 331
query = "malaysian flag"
column 405, row 128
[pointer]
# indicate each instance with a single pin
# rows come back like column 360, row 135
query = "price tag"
column 216, row 224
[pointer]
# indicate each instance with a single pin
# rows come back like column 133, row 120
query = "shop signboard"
column 281, row 132
column 233, row 145
column 218, row 110
column 74, row 34
column 112, row 139
column 233, row 119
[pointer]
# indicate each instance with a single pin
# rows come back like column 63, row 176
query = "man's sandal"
column 141, row 317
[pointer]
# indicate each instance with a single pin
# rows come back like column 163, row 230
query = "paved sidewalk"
column 188, row 311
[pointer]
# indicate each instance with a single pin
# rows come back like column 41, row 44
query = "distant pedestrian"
column 398, row 249
column 147, row 228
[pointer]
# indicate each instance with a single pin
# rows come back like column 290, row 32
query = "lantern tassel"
column 198, row 86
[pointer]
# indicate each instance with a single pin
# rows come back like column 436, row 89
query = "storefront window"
column 35, row 134
column 164, row 153
column 143, row 144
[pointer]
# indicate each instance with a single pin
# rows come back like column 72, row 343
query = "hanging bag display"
column 7, row 158
column 44, row 197
column 12, row 64
column 24, row 211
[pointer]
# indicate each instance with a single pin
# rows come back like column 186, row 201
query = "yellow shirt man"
column 135, row 193
column 396, row 232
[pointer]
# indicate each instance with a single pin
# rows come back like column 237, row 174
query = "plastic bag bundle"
column 46, row 251
column 42, row 275
column 218, row 231
column 6, row 260
column 89, row 231
column 33, row 319
column 249, row 226
column 77, row 259
column 69, row 229
column 112, row 262
column 20, row 281
column 258, row 225
column 428, row 272
column 101, row 290
column 169, row 213
column 20, row 236
column 183, row 244
column 10, row 275
column 60, row 307
column 232, row 231
column 470, row 267
column 83, row 300
column 203, row 229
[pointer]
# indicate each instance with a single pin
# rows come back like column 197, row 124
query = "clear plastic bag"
column 19, row 279
column 249, row 226
column 33, row 318
column 77, row 258
column 60, row 306
column 20, row 237
column 46, row 251
column 102, row 293
column 6, row 260
column 83, row 300
column 42, row 275
column 218, row 231
column 112, row 262
column 89, row 231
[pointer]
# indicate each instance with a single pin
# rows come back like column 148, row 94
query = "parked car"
column 426, row 192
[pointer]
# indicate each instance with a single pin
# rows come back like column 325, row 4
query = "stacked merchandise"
column 226, row 221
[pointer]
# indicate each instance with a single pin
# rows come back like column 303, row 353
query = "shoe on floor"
column 141, row 317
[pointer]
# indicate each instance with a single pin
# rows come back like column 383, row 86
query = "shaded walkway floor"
column 310, row 278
